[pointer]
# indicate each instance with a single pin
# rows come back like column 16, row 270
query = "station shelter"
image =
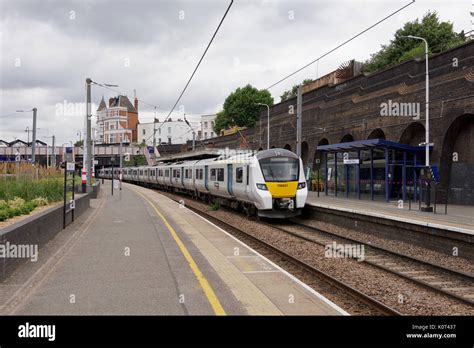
column 374, row 169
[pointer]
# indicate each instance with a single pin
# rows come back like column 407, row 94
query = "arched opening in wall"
column 304, row 153
column 259, row 149
column 413, row 135
column 287, row 147
column 273, row 146
column 457, row 161
column 376, row 134
column 347, row 138
column 318, row 167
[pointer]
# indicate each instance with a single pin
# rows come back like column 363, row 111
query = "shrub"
column 40, row 201
column 215, row 206
column 16, row 202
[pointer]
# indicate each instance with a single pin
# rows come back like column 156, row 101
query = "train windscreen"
column 277, row 169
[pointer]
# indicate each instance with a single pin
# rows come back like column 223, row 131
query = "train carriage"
column 269, row 183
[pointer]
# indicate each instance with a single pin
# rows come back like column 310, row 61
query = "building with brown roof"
column 117, row 122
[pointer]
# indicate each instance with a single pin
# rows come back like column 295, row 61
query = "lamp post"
column 79, row 133
column 27, row 130
column 88, row 136
column 268, row 123
column 427, row 99
column 33, row 141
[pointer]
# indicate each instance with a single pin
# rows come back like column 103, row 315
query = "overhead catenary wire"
column 340, row 45
column 200, row 60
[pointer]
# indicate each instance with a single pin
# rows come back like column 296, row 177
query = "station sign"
column 70, row 166
column 351, row 161
column 68, row 154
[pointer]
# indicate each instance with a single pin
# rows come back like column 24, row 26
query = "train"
column 268, row 183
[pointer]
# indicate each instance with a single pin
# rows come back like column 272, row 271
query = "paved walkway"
column 459, row 218
column 137, row 252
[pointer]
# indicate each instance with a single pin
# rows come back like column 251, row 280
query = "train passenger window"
column 213, row 175
column 239, row 174
column 248, row 170
column 141, row 172
column 178, row 173
column 220, row 174
column 197, row 174
column 201, row 173
column 167, row 172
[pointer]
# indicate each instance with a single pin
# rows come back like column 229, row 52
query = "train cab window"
column 213, row 175
column 239, row 174
column 220, row 174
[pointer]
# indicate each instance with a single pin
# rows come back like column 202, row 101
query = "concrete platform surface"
column 138, row 252
column 458, row 219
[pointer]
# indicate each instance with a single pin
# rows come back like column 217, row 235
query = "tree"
column 440, row 37
column 241, row 109
column 291, row 93
column 79, row 143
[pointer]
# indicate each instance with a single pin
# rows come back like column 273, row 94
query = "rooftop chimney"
column 111, row 100
column 135, row 102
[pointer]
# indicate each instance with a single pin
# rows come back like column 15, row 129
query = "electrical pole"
column 53, row 159
column 120, row 171
column 299, row 113
column 154, row 130
column 88, row 137
column 33, row 140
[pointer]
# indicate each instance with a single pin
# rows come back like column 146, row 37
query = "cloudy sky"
column 48, row 48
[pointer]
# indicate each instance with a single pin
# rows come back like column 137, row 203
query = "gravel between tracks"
column 398, row 293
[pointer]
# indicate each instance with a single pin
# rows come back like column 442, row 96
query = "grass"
column 24, row 187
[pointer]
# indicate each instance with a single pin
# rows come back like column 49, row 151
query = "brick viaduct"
column 352, row 111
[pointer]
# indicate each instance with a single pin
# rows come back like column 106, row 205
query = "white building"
column 170, row 132
column 207, row 127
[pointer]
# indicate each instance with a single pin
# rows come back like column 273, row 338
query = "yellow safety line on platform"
column 206, row 287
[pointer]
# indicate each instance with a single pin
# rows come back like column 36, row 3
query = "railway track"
column 449, row 282
column 373, row 303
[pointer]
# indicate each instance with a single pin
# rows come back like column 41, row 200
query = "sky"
column 150, row 47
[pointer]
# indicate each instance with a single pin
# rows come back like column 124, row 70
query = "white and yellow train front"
column 279, row 182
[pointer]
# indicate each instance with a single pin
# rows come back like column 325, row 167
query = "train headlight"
column 301, row 185
column 262, row 187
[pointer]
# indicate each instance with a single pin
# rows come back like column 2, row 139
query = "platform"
column 139, row 253
column 458, row 219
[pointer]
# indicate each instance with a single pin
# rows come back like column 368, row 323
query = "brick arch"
column 318, row 156
column 413, row 134
column 287, row 147
column 377, row 134
column 458, row 176
column 304, row 152
column 347, row 138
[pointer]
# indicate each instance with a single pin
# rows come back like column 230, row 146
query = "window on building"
column 212, row 124
column 112, row 127
column 239, row 174
column 212, row 134
column 169, row 140
column 144, row 132
column 205, row 124
column 159, row 141
column 159, row 131
column 205, row 135
column 169, row 130
column 220, row 174
column 213, row 175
